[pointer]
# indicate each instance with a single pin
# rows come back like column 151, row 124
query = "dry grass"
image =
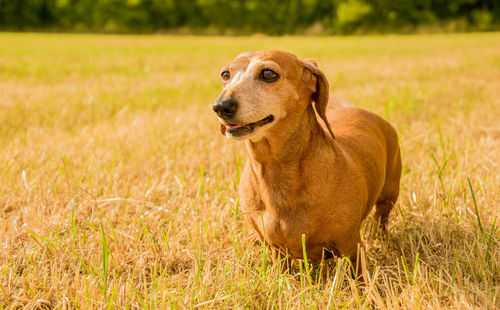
column 117, row 189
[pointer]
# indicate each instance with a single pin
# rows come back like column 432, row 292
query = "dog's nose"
column 226, row 108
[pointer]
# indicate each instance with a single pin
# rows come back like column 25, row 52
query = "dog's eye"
column 268, row 75
column 225, row 76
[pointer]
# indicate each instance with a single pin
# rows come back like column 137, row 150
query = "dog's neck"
column 287, row 145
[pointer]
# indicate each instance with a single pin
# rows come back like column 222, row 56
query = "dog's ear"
column 311, row 61
column 316, row 81
column 223, row 129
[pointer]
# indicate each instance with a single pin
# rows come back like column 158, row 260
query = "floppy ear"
column 316, row 81
column 223, row 129
column 311, row 61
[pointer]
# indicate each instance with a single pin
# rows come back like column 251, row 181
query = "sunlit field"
column 118, row 190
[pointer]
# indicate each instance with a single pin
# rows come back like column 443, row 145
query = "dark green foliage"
column 240, row 16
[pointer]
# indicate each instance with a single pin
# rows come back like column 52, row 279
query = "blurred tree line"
column 250, row 16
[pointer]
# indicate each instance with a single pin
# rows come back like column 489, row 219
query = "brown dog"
column 306, row 175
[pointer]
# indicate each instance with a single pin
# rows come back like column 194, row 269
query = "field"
column 118, row 190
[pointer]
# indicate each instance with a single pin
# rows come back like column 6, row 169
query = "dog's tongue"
column 232, row 126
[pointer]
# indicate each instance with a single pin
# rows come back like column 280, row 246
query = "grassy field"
column 117, row 189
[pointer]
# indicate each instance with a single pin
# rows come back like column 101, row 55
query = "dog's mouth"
column 239, row 130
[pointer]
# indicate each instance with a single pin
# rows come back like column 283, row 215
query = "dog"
column 310, row 171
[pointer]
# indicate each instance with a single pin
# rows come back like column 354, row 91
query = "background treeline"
column 240, row 16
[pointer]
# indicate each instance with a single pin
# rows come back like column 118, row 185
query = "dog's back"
column 371, row 143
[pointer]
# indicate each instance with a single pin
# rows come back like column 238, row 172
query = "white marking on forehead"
column 241, row 75
column 254, row 62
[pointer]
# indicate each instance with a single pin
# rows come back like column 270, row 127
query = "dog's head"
column 262, row 88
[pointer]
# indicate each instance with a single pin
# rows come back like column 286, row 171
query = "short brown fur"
column 311, row 172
